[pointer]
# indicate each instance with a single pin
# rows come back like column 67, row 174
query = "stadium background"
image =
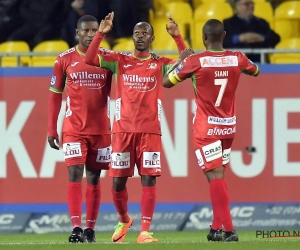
column 263, row 183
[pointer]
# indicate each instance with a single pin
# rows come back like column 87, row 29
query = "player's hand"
column 185, row 53
column 172, row 27
column 106, row 24
column 53, row 142
column 154, row 56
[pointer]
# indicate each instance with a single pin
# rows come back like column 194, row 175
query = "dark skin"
column 142, row 38
column 85, row 32
column 211, row 43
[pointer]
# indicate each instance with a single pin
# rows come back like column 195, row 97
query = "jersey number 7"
column 223, row 83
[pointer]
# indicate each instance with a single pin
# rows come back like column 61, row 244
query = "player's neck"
column 141, row 54
column 214, row 47
column 81, row 48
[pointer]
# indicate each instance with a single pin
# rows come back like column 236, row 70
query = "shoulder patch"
column 106, row 50
column 67, row 52
column 126, row 54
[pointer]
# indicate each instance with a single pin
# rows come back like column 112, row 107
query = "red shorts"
column 212, row 153
column 92, row 150
column 140, row 149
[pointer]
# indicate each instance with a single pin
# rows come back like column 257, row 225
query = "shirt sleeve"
column 58, row 79
column 108, row 59
column 184, row 70
column 248, row 67
column 99, row 56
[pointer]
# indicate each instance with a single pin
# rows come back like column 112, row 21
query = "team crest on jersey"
column 67, row 52
column 152, row 66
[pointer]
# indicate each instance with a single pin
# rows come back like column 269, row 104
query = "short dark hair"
column 86, row 18
column 214, row 29
column 235, row 1
column 145, row 23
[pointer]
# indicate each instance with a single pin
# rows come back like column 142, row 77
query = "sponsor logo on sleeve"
column 53, row 81
column 67, row 52
column 180, row 66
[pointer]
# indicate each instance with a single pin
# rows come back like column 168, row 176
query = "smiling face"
column 142, row 36
column 86, row 32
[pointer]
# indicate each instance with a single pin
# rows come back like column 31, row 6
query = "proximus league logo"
column 139, row 83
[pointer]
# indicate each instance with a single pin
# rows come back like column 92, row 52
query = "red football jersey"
column 88, row 93
column 138, row 90
column 215, row 76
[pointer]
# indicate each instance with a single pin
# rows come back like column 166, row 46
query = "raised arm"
column 105, row 26
column 173, row 29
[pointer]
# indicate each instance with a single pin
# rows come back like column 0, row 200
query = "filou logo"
column 155, row 160
column 71, row 149
column 105, row 157
column 151, row 159
column 121, row 160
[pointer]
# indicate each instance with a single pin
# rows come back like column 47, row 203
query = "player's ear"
column 152, row 38
column 224, row 34
column 76, row 32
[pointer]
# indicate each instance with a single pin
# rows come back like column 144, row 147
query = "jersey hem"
column 136, row 132
column 78, row 133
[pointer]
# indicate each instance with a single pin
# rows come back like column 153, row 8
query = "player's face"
column 142, row 37
column 86, row 33
column 245, row 8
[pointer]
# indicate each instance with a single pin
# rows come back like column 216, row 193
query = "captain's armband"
column 173, row 77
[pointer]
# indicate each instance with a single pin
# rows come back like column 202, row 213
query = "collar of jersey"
column 216, row 50
column 141, row 55
column 81, row 50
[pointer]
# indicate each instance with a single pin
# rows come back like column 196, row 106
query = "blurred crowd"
column 35, row 21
